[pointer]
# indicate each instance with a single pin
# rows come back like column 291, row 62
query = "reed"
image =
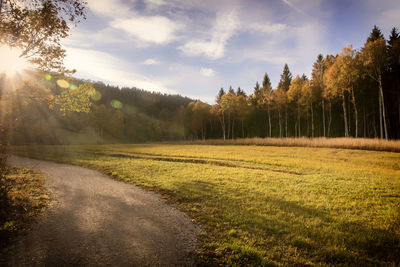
column 347, row 143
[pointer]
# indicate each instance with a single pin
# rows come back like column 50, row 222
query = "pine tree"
column 394, row 64
column 375, row 34
column 283, row 87
column 220, row 94
column 374, row 57
column 317, row 82
column 266, row 94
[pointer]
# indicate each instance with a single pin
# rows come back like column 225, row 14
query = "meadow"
column 265, row 205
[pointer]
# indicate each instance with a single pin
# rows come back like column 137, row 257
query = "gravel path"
column 94, row 220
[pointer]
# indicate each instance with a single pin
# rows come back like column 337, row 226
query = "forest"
column 352, row 94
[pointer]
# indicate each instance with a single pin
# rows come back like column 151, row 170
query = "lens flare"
column 116, row 104
column 47, row 77
column 96, row 96
column 63, row 83
column 73, row 86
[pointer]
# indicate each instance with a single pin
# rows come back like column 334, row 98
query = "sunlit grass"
column 340, row 142
column 264, row 205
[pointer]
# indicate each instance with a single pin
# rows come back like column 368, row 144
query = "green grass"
column 24, row 197
column 261, row 205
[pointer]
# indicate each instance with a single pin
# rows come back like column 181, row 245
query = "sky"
column 195, row 47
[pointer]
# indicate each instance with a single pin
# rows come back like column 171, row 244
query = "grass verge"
column 23, row 199
column 263, row 205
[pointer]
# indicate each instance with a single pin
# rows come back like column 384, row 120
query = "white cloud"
column 151, row 61
column 264, row 27
column 207, row 72
column 105, row 67
column 153, row 4
column 214, row 48
column 154, row 29
column 111, row 8
column 201, row 87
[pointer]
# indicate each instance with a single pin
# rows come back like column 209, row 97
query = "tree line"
column 353, row 94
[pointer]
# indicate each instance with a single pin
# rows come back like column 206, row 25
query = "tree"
column 327, row 91
column 337, row 88
column 317, row 81
column 240, row 92
column 394, row 64
column 242, row 109
column 294, row 95
column 266, row 96
column 375, row 34
column 228, row 106
column 307, row 98
column 219, row 112
column 36, row 27
column 283, row 87
column 201, row 113
column 373, row 56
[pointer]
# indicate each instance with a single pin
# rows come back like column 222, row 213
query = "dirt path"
column 94, row 220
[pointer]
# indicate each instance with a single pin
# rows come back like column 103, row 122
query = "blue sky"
column 193, row 48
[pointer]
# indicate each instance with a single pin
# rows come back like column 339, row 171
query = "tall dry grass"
column 348, row 143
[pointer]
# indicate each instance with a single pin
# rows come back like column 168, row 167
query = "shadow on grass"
column 315, row 234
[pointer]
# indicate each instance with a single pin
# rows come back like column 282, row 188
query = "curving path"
column 94, row 220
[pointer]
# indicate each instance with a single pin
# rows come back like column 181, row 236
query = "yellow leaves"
column 343, row 73
column 295, row 89
column 373, row 56
column 77, row 100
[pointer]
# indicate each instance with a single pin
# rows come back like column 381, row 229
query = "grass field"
column 262, row 205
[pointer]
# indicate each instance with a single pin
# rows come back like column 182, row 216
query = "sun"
column 11, row 64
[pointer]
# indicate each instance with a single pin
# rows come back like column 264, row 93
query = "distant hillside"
column 116, row 115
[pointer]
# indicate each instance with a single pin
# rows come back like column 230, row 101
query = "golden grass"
column 341, row 142
column 265, row 205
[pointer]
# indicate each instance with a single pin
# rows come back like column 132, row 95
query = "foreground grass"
column 25, row 197
column 266, row 205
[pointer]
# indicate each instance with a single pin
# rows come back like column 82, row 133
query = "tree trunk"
column 229, row 126
column 383, row 106
column 299, row 119
column 349, row 114
column 269, row 121
column 380, row 115
column 330, row 118
column 398, row 102
column 323, row 116
column 222, row 120
column 233, row 128
column 242, row 129
column 286, row 132
column 365, row 122
column 312, row 120
column 280, row 122
column 346, row 129
column 355, row 110
column 308, row 125
column 374, row 125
